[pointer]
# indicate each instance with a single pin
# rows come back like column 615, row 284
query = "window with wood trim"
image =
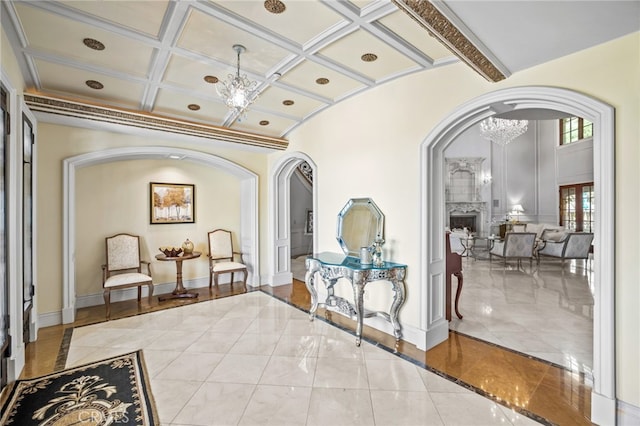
column 577, row 207
column 573, row 129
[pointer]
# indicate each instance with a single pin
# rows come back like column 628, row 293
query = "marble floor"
column 253, row 359
column 545, row 311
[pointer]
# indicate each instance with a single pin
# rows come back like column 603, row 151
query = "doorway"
column 433, row 225
column 281, row 214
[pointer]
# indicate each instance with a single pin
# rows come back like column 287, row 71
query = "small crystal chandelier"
column 238, row 92
column 502, row 131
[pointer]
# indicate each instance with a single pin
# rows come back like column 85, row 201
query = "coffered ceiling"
column 157, row 56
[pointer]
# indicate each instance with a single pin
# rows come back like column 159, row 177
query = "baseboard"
column 132, row 293
column 628, row 414
column 603, row 410
column 282, row 278
column 434, row 336
column 49, row 319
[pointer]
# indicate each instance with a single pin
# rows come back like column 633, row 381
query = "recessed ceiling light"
column 211, row 79
column 94, row 84
column 92, row 43
column 264, row 123
column 194, row 107
column 322, row 80
column 288, row 102
column 274, row 6
column 369, row 57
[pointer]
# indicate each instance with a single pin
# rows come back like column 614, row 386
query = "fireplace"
column 470, row 215
column 463, row 221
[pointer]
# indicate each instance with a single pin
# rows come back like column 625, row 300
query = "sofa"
column 546, row 231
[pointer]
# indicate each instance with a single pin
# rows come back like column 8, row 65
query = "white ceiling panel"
column 176, row 104
column 349, row 51
column 214, row 38
column 273, row 124
column 143, row 16
column 120, row 53
column 306, row 74
column 293, row 24
column 274, row 97
column 63, row 79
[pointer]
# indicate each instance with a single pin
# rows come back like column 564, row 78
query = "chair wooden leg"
column 458, row 292
column 231, row 282
column 107, row 301
column 139, row 293
column 150, row 292
column 215, row 279
column 210, row 277
column 244, row 282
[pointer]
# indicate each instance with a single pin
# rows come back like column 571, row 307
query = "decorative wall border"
column 430, row 18
column 75, row 109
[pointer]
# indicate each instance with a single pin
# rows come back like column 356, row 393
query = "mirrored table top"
column 340, row 259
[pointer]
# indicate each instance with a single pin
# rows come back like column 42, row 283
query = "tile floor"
column 252, row 359
column 545, row 311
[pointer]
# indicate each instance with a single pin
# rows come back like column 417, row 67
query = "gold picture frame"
column 172, row 203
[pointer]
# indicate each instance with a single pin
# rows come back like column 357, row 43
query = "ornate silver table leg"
column 358, row 281
column 309, row 280
column 397, row 280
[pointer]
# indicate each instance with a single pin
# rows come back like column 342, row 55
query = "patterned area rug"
column 111, row 391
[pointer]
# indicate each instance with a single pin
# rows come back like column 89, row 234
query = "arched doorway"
column 433, row 219
column 279, row 208
column 248, row 201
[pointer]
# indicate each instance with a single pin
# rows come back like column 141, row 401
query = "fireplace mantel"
column 466, row 206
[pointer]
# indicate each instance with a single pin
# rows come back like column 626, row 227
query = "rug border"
column 10, row 391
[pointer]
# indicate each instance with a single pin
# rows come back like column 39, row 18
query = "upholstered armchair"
column 516, row 245
column 124, row 267
column 222, row 257
column 574, row 245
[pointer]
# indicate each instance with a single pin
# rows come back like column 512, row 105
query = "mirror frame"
column 376, row 215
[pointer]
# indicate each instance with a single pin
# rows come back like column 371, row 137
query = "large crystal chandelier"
column 502, row 131
column 238, row 92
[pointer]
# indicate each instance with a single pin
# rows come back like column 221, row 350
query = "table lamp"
column 517, row 209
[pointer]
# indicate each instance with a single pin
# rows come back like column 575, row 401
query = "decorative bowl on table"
column 171, row 251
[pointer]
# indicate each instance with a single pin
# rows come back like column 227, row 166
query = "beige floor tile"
column 216, row 404
column 340, row 407
column 292, row 371
column 341, row 373
column 190, row 366
column 171, row 396
column 238, row 368
column 404, row 408
column 277, row 406
column 395, row 375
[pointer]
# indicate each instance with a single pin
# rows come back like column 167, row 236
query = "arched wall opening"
column 279, row 208
column 433, row 220
column 248, row 201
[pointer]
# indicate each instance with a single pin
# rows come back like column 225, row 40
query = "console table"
column 333, row 266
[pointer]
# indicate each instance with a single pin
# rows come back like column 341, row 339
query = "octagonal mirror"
column 360, row 222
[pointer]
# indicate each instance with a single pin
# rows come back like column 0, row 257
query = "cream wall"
column 114, row 197
column 57, row 142
column 369, row 146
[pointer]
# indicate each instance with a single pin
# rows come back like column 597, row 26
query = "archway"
column 433, row 219
column 248, row 202
column 279, row 208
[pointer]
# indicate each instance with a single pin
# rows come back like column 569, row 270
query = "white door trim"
column 603, row 406
column 280, row 222
column 248, row 207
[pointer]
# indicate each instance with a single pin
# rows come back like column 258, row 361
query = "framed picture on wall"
column 172, row 203
column 308, row 223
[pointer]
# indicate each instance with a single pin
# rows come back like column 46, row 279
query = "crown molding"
column 437, row 24
column 47, row 104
